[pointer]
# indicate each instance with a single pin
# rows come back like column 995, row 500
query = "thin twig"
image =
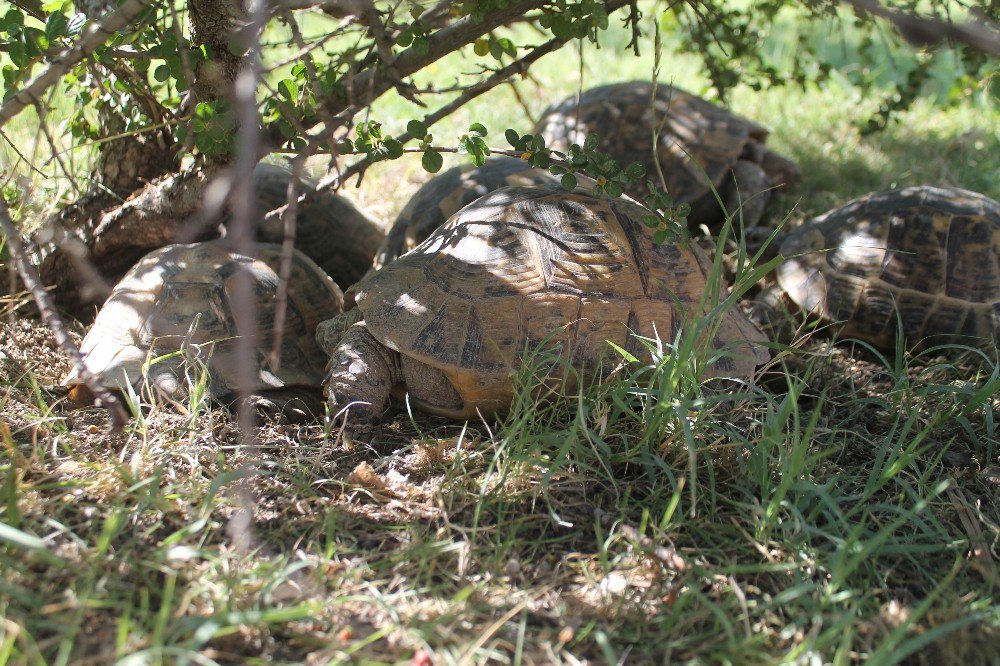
column 29, row 275
column 243, row 201
column 56, row 153
column 285, row 269
column 21, row 156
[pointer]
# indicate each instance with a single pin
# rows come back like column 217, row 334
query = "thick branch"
column 923, row 31
column 93, row 37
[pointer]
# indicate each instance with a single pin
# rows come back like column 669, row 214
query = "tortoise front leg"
column 363, row 373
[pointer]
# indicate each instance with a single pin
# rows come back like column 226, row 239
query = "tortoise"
column 925, row 257
column 700, row 146
column 338, row 235
column 520, row 268
column 182, row 295
column 445, row 194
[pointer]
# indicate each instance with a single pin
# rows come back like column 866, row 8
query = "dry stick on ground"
column 119, row 417
column 92, row 39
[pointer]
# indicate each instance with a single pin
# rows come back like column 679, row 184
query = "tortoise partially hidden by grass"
column 926, row 258
column 700, row 146
column 182, row 296
column 520, row 269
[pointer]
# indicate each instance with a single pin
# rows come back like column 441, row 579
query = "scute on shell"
column 445, row 194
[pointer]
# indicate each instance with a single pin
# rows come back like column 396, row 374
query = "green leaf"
column 507, row 46
column 495, row 49
column 481, row 146
column 635, row 171
column 289, row 89
column 660, row 235
column 481, row 47
column 161, row 73
column 432, row 161
column 590, row 143
column 613, row 189
column 13, row 17
column 393, row 148
column 478, row 128
column 416, row 129
column 568, row 181
column 513, row 138
column 55, row 26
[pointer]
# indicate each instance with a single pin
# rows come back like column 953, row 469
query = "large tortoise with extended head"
column 700, row 146
column 926, row 258
column 183, row 296
column 521, row 268
column 445, row 194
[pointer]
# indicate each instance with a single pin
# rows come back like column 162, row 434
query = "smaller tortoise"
column 339, row 236
column 700, row 146
column 926, row 257
column 153, row 312
column 445, row 194
column 520, row 268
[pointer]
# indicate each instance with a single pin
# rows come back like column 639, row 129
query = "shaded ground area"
column 839, row 508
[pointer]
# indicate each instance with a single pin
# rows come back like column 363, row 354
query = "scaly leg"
column 363, row 373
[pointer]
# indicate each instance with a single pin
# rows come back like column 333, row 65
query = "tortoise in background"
column 700, row 146
column 930, row 254
column 333, row 231
column 182, row 295
column 445, row 194
column 520, row 268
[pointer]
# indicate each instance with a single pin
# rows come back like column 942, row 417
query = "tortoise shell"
column 183, row 295
column 699, row 142
column 338, row 235
column 525, row 267
column 445, row 194
column 927, row 255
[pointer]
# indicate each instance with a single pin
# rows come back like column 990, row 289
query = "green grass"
column 841, row 507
